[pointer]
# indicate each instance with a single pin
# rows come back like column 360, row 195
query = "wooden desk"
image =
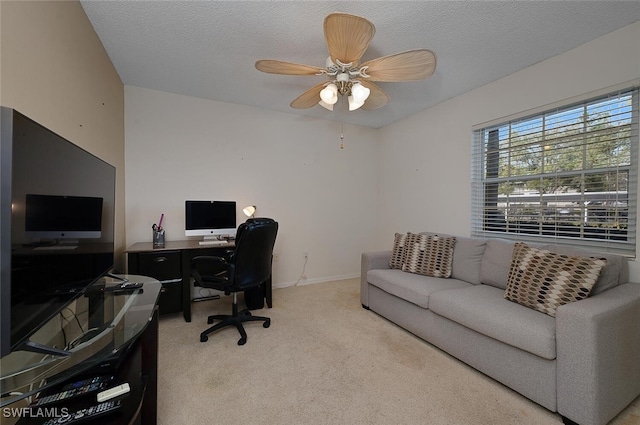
column 172, row 266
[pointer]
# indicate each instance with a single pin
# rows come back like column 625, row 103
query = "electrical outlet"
column 275, row 258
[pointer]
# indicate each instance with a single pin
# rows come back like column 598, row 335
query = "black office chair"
column 247, row 267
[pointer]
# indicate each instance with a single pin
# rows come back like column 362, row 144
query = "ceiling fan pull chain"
column 341, row 135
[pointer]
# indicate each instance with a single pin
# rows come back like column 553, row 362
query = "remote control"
column 75, row 389
column 89, row 413
column 113, row 392
column 88, row 381
column 126, row 286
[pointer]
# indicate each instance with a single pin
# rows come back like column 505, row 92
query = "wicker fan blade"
column 377, row 98
column 286, row 68
column 308, row 99
column 406, row 66
column 347, row 36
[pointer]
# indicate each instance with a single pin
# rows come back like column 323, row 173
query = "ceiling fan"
column 348, row 37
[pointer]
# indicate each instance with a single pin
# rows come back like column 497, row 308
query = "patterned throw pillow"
column 543, row 280
column 398, row 253
column 429, row 255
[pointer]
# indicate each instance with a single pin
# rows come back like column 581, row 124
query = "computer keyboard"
column 214, row 242
column 55, row 247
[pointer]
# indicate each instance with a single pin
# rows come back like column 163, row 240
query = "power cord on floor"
column 304, row 267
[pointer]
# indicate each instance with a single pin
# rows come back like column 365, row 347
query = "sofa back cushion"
column 467, row 258
column 616, row 271
column 496, row 261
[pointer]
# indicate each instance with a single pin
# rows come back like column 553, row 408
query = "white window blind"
column 567, row 175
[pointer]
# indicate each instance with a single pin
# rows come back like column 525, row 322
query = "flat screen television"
column 51, row 190
column 210, row 219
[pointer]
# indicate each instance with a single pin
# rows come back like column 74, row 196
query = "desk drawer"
column 171, row 297
column 163, row 265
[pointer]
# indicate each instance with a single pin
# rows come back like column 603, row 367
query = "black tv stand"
column 126, row 347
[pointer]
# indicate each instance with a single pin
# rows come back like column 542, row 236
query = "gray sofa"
column 584, row 363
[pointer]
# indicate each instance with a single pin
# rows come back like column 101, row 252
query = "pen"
column 160, row 222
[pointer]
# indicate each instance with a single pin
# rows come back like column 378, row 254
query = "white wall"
column 426, row 158
column 292, row 168
column 330, row 202
column 55, row 71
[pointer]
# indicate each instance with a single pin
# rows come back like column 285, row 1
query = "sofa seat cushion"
column 483, row 309
column 411, row 287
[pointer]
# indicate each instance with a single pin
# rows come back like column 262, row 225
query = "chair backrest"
column 253, row 255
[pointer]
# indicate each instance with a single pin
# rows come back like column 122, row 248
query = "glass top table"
column 95, row 326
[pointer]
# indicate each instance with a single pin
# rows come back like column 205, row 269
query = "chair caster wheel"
column 204, row 338
column 266, row 324
column 242, row 341
column 248, row 313
column 209, row 320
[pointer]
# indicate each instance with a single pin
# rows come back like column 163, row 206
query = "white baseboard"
column 199, row 292
column 302, row 282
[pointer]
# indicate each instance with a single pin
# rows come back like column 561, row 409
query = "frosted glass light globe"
column 329, row 94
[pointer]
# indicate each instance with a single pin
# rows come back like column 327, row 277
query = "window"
column 567, row 175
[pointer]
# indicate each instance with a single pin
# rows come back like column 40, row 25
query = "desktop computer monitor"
column 63, row 217
column 210, row 219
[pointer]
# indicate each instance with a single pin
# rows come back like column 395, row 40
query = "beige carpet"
column 326, row 360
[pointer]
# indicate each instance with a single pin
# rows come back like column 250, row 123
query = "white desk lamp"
column 249, row 211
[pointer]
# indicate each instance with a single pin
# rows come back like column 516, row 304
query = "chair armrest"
column 209, row 269
column 369, row 261
column 598, row 354
column 202, row 259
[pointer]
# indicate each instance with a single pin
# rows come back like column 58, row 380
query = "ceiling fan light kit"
column 360, row 92
column 326, row 105
column 348, row 37
column 329, row 94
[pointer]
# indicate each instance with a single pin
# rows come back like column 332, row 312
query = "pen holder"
column 158, row 238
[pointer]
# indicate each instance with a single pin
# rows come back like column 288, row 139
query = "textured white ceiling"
column 208, row 49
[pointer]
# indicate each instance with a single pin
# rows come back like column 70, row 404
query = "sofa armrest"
column 598, row 355
column 371, row 260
